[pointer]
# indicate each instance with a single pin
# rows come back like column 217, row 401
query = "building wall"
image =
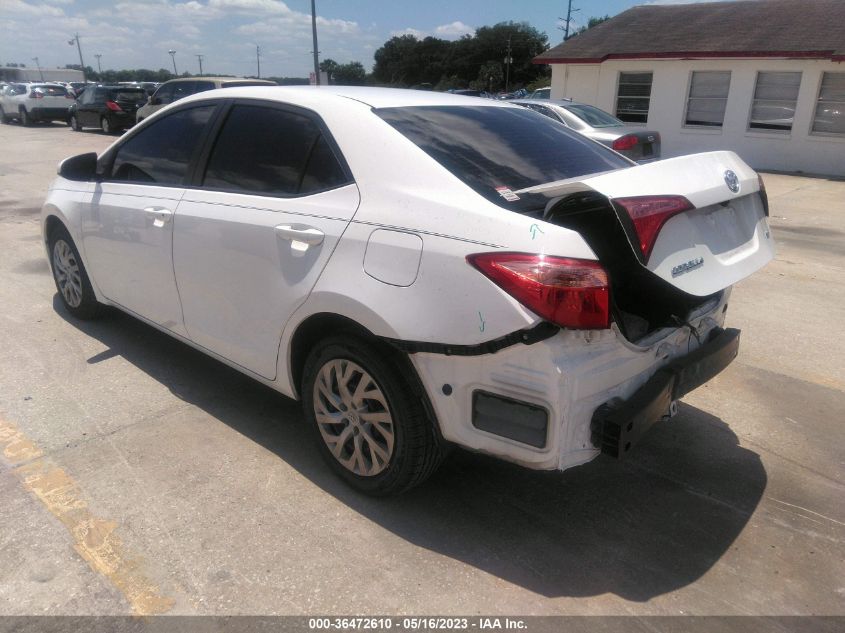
column 798, row 150
column 34, row 74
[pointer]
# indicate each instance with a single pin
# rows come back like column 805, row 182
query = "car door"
column 85, row 107
column 128, row 228
column 254, row 233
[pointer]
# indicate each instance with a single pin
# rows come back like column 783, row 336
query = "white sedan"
column 419, row 269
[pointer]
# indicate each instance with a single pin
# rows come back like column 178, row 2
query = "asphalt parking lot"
column 139, row 476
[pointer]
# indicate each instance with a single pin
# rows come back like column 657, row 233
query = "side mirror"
column 82, row 168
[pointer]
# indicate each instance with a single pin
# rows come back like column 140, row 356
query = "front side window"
column 830, row 109
column 271, row 151
column 160, row 153
column 633, row 97
column 708, row 98
column 164, row 95
column 775, row 96
column 497, row 151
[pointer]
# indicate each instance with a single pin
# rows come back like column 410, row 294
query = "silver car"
column 636, row 143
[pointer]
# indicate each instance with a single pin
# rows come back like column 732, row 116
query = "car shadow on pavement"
column 638, row 529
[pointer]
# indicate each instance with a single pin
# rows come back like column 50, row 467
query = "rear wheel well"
column 325, row 324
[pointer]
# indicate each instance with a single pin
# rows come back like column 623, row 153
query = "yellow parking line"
column 95, row 539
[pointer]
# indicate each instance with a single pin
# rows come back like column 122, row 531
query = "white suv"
column 32, row 102
column 420, row 269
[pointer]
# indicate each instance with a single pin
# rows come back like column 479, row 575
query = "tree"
column 329, row 66
column 490, row 77
column 593, row 21
column 351, row 74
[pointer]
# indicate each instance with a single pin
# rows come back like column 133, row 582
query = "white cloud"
column 454, row 29
column 409, row 31
column 251, row 6
column 22, row 8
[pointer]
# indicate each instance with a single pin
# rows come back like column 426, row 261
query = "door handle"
column 300, row 233
column 159, row 215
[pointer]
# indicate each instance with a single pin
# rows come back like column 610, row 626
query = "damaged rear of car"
column 625, row 331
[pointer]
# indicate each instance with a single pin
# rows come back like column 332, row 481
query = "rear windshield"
column 129, row 95
column 593, row 116
column 52, row 91
column 500, row 150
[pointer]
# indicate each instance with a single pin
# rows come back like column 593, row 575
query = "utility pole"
column 99, row 68
column 173, row 57
column 258, row 59
column 199, row 59
column 508, row 60
column 38, row 65
column 316, row 52
column 75, row 40
column 568, row 20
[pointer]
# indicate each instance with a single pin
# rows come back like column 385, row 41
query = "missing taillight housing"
column 648, row 215
column 572, row 293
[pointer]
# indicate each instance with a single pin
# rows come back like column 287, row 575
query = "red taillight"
column 573, row 293
column 649, row 214
column 625, row 142
column 111, row 105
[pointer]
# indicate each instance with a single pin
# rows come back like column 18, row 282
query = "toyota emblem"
column 732, row 181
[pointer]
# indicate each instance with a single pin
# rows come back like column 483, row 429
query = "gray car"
column 636, row 143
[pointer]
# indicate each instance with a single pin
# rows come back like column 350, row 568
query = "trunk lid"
column 721, row 240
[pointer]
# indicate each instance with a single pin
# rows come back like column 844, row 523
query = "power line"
column 258, row 60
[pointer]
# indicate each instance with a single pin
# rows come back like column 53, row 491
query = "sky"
column 139, row 33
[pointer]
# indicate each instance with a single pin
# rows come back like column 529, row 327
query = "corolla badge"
column 732, row 181
column 692, row 264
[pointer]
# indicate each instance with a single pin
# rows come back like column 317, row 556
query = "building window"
column 708, row 96
column 633, row 96
column 775, row 96
column 830, row 110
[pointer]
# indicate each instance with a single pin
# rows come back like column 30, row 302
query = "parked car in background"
column 541, row 93
column 472, row 93
column 636, row 143
column 176, row 89
column 110, row 108
column 487, row 278
column 33, row 102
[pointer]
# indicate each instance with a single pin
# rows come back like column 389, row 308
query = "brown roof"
column 749, row 28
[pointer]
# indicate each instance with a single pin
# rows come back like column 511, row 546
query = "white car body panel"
column 244, row 290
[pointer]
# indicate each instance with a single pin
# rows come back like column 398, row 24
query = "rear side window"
column 52, row 91
column 160, row 153
column 271, row 152
column 128, row 95
column 494, row 149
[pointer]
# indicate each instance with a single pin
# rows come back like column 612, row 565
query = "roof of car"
column 207, row 78
column 374, row 97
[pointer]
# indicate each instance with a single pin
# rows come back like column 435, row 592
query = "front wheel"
column 106, row 126
column 26, row 119
column 74, row 123
column 369, row 422
column 4, row 118
column 70, row 276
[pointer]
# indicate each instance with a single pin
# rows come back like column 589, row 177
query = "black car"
column 110, row 108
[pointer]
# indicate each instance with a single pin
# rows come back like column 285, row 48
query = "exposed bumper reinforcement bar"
column 617, row 427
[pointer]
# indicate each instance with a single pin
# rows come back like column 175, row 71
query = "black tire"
column 73, row 122
column 106, row 126
column 88, row 306
column 26, row 119
column 4, row 118
column 416, row 451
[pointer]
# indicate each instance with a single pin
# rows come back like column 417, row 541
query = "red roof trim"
column 693, row 55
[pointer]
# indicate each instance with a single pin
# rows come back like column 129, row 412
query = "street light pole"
column 173, row 57
column 199, row 59
column 79, row 48
column 99, row 68
column 314, row 33
column 508, row 61
column 258, row 59
column 38, row 64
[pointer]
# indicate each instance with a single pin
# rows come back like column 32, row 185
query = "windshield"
column 129, row 95
column 593, row 116
column 500, row 150
column 51, row 91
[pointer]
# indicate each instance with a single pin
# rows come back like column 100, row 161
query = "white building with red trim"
column 764, row 78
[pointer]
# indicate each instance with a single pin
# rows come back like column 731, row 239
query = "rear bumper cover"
column 617, row 426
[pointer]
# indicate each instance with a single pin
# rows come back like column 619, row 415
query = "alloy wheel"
column 353, row 417
column 66, row 270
